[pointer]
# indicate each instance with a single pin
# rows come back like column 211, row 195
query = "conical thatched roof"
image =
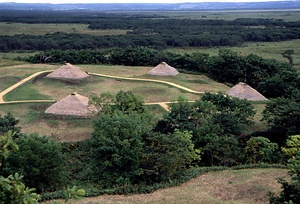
column 74, row 104
column 244, row 91
column 163, row 69
column 69, row 72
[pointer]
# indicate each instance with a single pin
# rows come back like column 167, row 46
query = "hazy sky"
column 124, row 1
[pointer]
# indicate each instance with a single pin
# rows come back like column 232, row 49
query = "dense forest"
column 129, row 150
column 151, row 31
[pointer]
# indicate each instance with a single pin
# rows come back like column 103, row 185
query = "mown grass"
column 42, row 29
column 33, row 120
column 42, row 88
column 6, row 82
column 95, row 85
column 25, row 92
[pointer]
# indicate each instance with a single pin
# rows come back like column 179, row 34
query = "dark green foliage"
column 128, row 103
column 283, row 81
column 126, row 151
column 138, row 56
column 290, row 193
column 212, row 120
column 222, row 151
column 151, row 30
column 288, row 54
column 165, row 155
column 283, row 118
column 8, row 122
column 12, row 189
column 40, row 160
column 117, row 147
column 178, row 118
column 228, row 66
column 232, row 113
column 261, row 150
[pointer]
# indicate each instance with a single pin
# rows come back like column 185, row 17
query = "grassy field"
column 248, row 186
column 269, row 50
column 42, row 29
column 33, row 119
column 152, row 92
column 286, row 15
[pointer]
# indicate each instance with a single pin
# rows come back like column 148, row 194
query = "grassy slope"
column 248, row 186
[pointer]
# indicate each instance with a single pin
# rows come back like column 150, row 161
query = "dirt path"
column 150, row 80
column 162, row 104
column 9, row 89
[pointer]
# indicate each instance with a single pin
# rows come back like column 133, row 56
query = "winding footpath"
column 9, row 89
column 162, row 104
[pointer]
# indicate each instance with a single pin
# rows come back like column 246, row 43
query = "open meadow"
column 33, row 119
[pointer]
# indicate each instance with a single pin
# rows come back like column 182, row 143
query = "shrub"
column 40, row 160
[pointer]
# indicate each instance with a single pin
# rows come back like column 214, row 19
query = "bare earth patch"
column 248, row 186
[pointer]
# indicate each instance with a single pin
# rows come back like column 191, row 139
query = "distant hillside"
column 156, row 6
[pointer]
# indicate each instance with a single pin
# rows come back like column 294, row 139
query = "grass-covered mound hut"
column 68, row 72
column 73, row 105
column 163, row 69
column 244, row 91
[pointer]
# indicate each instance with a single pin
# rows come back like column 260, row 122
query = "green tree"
column 41, row 160
column 292, row 146
column 129, row 103
column 288, row 54
column 260, row 149
column 167, row 154
column 222, row 150
column 232, row 113
column 290, row 193
column 283, row 118
column 12, row 189
column 228, row 66
column 117, row 147
column 8, row 122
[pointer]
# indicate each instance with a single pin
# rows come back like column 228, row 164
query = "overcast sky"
column 125, row 1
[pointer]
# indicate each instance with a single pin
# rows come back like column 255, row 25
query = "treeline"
column 270, row 77
column 230, row 36
column 155, row 31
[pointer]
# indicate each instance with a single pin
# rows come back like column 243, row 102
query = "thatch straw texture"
column 69, row 72
column 163, row 69
column 74, row 105
column 244, row 91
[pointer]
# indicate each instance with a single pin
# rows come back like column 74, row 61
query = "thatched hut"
column 244, row 91
column 68, row 72
column 73, row 105
column 163, row 69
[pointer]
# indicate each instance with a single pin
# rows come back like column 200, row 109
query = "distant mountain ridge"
column 155, row 6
